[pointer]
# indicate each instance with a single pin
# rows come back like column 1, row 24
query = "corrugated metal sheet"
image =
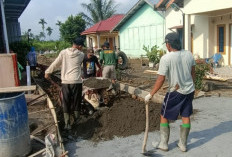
column 104, row 26
column 14, row 8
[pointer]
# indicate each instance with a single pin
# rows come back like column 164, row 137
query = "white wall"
column 199, row 6
column 225, row 20
column 200, row 32
column 204, row 27
column 173, row 18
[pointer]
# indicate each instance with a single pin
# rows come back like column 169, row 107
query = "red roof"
column 104, row 25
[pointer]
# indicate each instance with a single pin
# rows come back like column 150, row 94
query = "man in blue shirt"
column 32, row 61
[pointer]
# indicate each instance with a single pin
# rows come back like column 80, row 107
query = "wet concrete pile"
column 96, row 83
column 126, row 117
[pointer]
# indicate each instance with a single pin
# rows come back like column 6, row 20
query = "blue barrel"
column 14, row 129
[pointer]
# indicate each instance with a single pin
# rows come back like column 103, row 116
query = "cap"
column 172, row 38
column 106, row 44
column 79, row 41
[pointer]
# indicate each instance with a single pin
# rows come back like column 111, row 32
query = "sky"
column 54, row 10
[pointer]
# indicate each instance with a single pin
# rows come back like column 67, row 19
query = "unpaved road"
column 211, row 135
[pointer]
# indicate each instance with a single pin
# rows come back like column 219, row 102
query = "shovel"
column 144, row 151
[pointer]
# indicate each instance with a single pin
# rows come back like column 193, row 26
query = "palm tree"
column 41, row 35
column 99, row 10
column 49, row 30
column 43, row 22
column 58, row 23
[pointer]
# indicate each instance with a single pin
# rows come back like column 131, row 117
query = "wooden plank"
column 37, row 153
column 150, row 72
column 17, row 89
column 157, row 98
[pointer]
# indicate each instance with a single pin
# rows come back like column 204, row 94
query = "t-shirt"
column 89, row 66
column 109, row 57
column 177, row 67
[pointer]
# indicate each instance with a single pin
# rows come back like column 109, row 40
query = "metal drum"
column 14, row 129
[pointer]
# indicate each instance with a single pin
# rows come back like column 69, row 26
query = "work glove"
column 147, row 98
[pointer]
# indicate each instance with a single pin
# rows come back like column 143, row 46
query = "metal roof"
column 14, row 8
column 104, row 25
column 164, row 4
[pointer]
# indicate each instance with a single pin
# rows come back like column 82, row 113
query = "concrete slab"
column 211, row 135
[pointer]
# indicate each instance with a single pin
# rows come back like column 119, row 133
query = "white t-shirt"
column 177, row 67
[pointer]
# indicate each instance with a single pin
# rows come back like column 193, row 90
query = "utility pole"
column 4, row 27
column 28, row 35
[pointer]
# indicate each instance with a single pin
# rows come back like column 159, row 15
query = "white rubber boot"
column 164, row 137
column 66, row 121
column 182, row 144
column 76, row 116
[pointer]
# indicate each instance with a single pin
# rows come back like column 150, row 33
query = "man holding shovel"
column 70, row 61
column 179, row 67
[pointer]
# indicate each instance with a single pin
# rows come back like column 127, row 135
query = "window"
column 221, row 38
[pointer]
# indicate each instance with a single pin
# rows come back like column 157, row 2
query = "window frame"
column 224, row 38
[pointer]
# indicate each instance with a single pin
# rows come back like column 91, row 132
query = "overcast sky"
column 53, row 10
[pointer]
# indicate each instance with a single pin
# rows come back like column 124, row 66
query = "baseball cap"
column 79, row 41
column 172, row 38
column 106, row 44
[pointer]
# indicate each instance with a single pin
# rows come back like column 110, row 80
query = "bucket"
column 14, row 129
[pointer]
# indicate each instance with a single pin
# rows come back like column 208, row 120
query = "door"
column 111, row 43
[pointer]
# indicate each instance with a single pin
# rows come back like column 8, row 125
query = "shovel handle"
column 146, row 129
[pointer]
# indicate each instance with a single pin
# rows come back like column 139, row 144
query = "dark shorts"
column 33, row 68
column 176, row 104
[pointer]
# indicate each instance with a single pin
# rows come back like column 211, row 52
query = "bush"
column 200, row 70
column 154, row 54
column 51, row 45
column 21, row 48
column 60, row 45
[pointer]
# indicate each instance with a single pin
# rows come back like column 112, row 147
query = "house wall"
column 200, row 32
column 204, row 29
column 205, row 26
column 222, row 20
column 196, row 6
column 145, row 27
column 103, row 38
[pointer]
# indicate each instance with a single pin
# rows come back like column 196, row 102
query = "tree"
column 72, row 28
column 49, row 31
column 99, row 10
column 41, row 35
column 58, row 23
column 43, row 22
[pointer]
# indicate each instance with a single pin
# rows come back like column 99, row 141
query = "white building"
column 208, row 25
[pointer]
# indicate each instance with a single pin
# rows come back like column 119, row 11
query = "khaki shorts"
column 109, row 72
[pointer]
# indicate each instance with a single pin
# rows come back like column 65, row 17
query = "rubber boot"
column 110, row 87
column 76, row 116
column 114, row 89
column 164, row 137
column 182, row 144
column 66, row 121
